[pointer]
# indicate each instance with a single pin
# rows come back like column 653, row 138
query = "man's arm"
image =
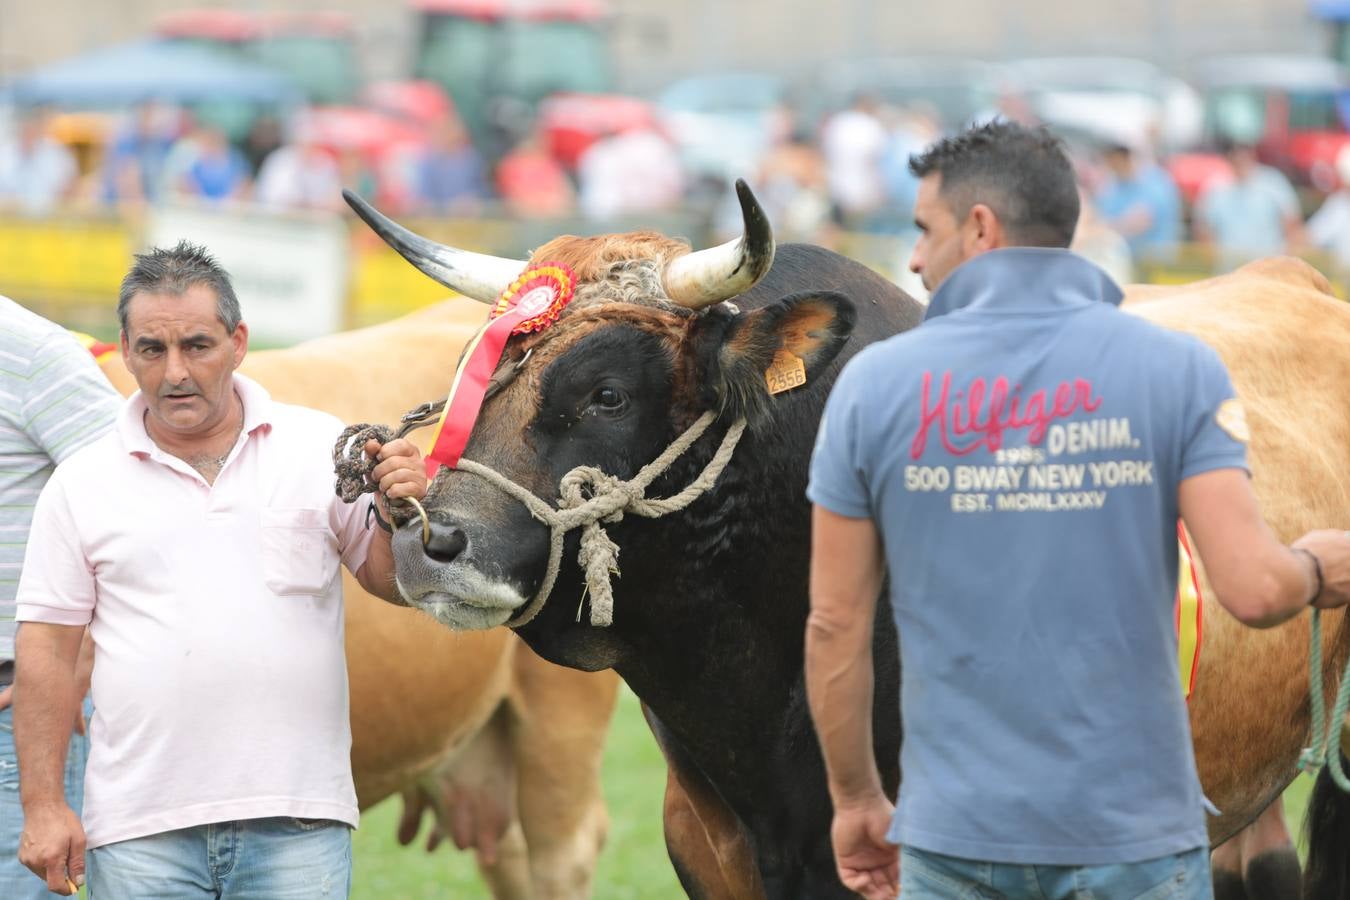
column 399, row 473
column 376, row 574
column 1134, row 221
column 1201, row 229
column 84, row 674
column 45, row 703
column 1255, row 577
column 1295, row 235
column 1291, row 212
column 846, row 576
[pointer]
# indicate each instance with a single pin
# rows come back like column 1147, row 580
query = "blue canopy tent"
column 140, row 72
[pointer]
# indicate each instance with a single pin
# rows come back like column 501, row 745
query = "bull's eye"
column 608, row 399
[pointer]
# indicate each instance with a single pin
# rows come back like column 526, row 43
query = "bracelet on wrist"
column 1317, row 572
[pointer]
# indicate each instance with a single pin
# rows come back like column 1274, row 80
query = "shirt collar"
column 1023, row 279
column 258, row 413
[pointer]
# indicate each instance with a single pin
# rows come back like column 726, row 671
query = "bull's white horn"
column 706, row 277
column 475, row 275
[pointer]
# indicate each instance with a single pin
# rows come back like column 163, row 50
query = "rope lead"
column 1326, row 746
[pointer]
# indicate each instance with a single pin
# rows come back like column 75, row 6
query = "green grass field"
column 633, row 866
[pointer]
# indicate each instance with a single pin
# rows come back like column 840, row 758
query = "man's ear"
column 985, row 231
column 779, row 347
column 239, row 338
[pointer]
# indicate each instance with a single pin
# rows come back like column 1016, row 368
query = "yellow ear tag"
column 787, row 372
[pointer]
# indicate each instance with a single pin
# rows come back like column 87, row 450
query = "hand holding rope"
column 353, row 466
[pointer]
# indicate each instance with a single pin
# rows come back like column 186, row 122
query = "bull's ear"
column 765, row 346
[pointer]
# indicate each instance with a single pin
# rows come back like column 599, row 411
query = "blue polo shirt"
column 1020, row 453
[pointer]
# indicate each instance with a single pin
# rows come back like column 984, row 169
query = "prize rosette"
column 537, row 297
column 532, row 302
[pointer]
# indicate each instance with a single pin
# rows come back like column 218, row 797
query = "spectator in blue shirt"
column 449, row 178
column 134, row 168
column 1141, row 202
column 205, row 166
column 1254, row 214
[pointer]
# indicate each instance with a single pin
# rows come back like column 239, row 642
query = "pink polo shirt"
column 220, row 683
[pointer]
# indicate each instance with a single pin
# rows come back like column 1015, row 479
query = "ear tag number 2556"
column 787, row 372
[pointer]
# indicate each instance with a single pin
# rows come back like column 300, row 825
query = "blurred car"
column 388, row 132
column 1295, row 109
column 957, row 91
column 1121, row 100
column 721, row 123
column 571, row 123
column 414, row 100
column 316, row 50
column 498, row 59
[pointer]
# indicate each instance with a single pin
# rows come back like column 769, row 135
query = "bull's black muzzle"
column 446, row 542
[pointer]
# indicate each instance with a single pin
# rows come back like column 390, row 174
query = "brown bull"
column 500, row 744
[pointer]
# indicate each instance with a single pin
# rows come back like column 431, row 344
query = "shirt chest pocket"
column 298, row 552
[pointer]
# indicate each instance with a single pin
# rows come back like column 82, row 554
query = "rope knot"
column 595, row 495
column 598, row 556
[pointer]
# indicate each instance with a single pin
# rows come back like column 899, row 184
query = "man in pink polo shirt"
column 200, row 542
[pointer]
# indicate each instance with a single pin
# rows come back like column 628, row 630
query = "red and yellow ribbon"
column 100, row 350
column 532, row 302
column 1189, row 615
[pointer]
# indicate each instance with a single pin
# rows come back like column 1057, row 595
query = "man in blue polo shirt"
column 1019, row 463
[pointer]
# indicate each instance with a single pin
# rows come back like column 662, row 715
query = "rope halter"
column 588, row 498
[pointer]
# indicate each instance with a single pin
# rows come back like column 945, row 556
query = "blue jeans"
column 252, row 859
column 931, row 876
column 16, row 882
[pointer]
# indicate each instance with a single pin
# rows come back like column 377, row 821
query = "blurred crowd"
column 160, row 153
column 846, row 171
column 854, row 175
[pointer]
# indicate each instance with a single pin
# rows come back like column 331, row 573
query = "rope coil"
column 352, row 467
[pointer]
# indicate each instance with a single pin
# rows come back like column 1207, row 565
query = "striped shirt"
column 53, row 400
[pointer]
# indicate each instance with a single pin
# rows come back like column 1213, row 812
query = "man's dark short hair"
column 1022, row 174
column 173, row 271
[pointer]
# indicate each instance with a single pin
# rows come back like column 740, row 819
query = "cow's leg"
column 1328, row 817
column 558, row 738
column 1225, row 864
column 708, row 846
column 1258, row 862
column 509, row 877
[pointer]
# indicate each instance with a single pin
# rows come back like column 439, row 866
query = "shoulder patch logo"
column 1232, row 418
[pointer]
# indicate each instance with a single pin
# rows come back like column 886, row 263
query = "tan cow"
column 474, row 726
column 1286, row 341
